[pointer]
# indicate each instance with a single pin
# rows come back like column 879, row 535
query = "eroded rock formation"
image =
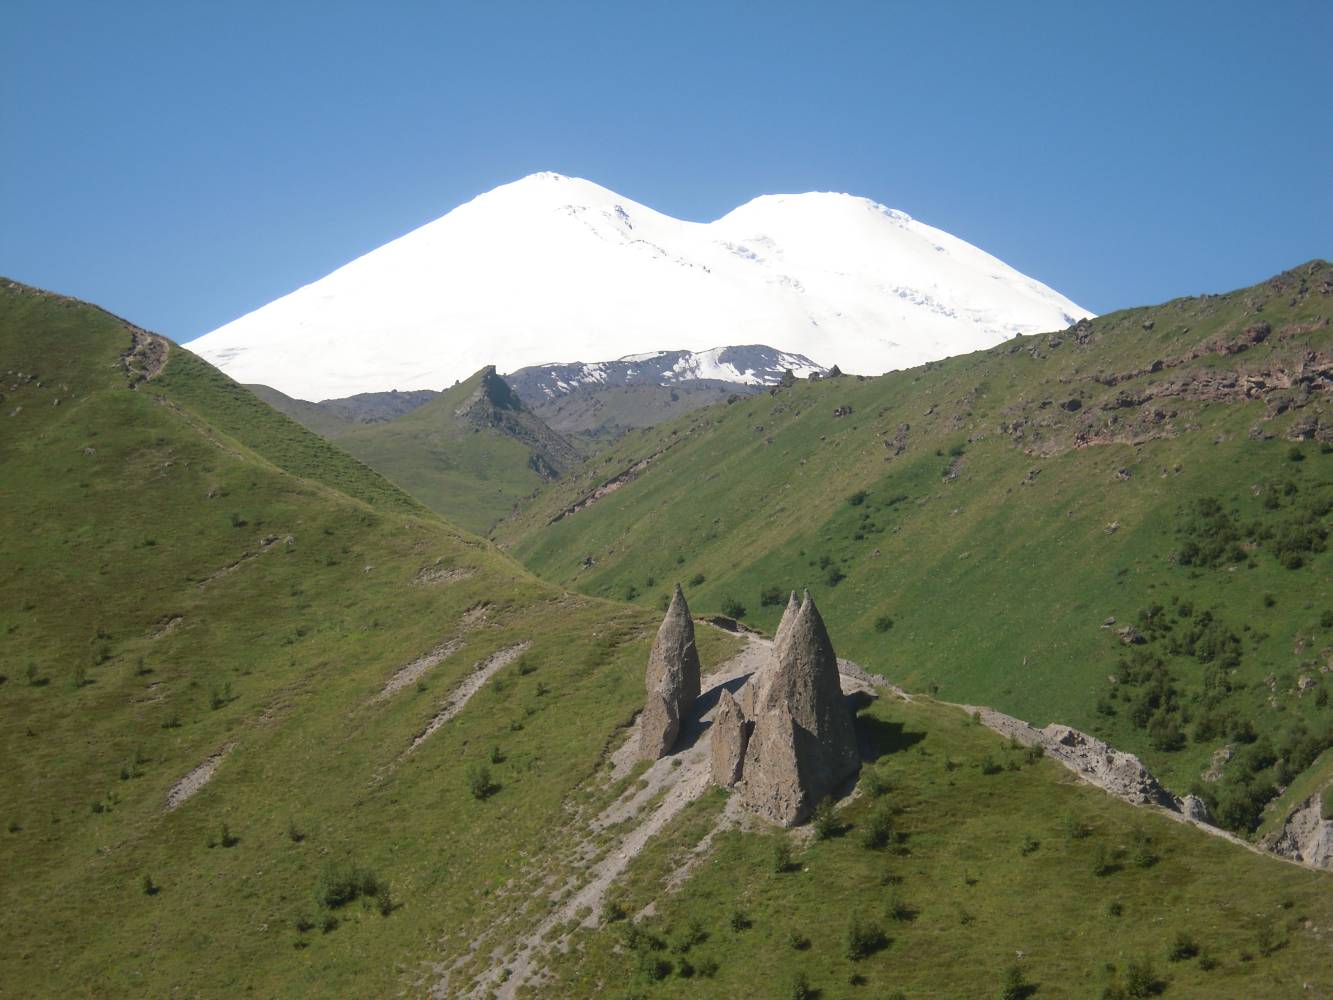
column 794, row 737
column 731, row 733
column 672, row 680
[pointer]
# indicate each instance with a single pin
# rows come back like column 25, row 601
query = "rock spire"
column 803, row 743
column 672, row 680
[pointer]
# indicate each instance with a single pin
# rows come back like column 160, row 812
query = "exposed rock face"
column 1305, row 835
column 1121, row 774
column 1194, row 808
column 756, row 690
column 672, row 680
column 730, row 734
column 803, row 744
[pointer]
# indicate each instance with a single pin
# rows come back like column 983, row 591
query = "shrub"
column 479, row 781
column 857, row 498
column 800, row 988
column 613, row 911
column 733, row 608
column 697, row 580
column 823, row 820
column 878, row 828
column 798, row 941
column 150, row 888
column 1182, row 946
column 989, row 765
column 1013, row 985
column 1141, row 979
column 226, row 838
column 1029, row 846
column 740, row 920
column 497, row 755
column 303, row 922
column 873, row 783
column 770, row 597
column 653, row 967
column 834, row 576
column 1294, row 454
column 883, row 623
column 863, row 939
column 294, row 833
column 384, row 900
column 1103, row 861
column 342, row 882
column 782, row 862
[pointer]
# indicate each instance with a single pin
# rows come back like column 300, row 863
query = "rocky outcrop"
column 672, row 680
column 803, row 744
column 1121, row 774
column 1305, row 836
column 731, row 733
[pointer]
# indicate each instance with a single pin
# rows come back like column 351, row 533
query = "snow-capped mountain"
column 551, row 268
column 755, row 365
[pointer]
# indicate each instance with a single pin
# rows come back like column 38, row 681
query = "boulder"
column 730, row 733
column 1194, row 808
column 672, row 680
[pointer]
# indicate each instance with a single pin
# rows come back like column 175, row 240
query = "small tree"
column 479, row 781
column 823, row 820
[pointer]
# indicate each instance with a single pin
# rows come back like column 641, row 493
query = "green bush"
column 878, row 828
column 800, row 988
column 1182, row 946
column 1013, row 985
column 342, row 882
column 479, row 781
column 697, row 580
column 733, row 608
column 883, row 623
column 823, row 820
column 864, row 939
column 770, row 597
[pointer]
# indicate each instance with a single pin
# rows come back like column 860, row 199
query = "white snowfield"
column 558, row 269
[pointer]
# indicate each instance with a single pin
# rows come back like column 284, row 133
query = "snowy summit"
column 558, row 269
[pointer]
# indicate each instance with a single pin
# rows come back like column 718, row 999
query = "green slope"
column 187, row 572
column 311, row 416
column 469, row 454
column 972, row 523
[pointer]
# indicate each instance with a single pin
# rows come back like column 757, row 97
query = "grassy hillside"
column 601, row 413
column 464, row 454
column 191, row 577
column 971, row 524
column 311, row 416
column 185, row 572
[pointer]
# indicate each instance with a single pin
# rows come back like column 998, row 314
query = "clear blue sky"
column 183, row 163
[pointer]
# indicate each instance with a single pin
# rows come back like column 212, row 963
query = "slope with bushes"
column 975, row 525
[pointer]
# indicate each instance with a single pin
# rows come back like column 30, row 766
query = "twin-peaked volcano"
column 558, row 269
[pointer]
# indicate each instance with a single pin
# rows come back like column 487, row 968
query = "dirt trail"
column 470, row 685
column 266, row 544
column 410, row 674
column 196, row 779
